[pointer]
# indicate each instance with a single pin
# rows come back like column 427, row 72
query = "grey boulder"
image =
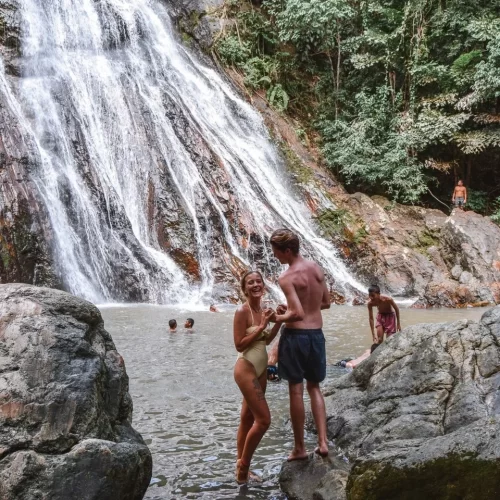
column 65, row 410
column 420, row 418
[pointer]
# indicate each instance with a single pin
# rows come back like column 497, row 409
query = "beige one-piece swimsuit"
column 256, row 352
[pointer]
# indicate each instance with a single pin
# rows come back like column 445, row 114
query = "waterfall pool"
column 186, row 404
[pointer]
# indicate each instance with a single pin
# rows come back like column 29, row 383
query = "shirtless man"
column 459, row 197
column 301, row 352
column 388, row 314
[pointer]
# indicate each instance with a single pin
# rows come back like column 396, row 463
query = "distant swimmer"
column 188, row 325
column 459, row 197
column 251, row 336
column 388, row 320
column 173, row 325
column 213, row 309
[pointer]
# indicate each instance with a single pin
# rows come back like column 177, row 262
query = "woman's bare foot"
column 297, row 455
column 242, row 472
column 322, row 450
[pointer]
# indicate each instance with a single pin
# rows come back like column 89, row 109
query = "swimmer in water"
column 251, row 336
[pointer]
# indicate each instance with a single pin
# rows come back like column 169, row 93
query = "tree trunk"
column 338, row 72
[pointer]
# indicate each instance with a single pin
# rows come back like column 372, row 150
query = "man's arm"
column 396, row 310
column 453, row 196
column 325, row 299
column 294, row 312
column 372, row 323
column 465, row 195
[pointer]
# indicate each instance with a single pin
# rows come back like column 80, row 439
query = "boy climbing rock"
column 388, row 320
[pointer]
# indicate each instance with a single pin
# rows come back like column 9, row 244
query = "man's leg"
column 380, row 334
column 297, row 416
column 319, row 415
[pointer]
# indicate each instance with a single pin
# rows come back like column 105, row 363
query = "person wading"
column 250, row 371
column 301, row 351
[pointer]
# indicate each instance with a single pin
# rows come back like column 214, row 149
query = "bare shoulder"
column 386, row 298
column 241, row 310
column 369, row 304
column 316, row 269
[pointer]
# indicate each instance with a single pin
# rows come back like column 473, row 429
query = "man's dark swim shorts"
column 302, row 355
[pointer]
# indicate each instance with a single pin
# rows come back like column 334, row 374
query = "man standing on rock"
column 301, row 352
column 459, row 197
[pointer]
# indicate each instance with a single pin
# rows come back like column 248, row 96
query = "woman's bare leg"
column 253, row 390
column 246, row 422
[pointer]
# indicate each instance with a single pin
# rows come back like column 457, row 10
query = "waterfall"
column 156, row 176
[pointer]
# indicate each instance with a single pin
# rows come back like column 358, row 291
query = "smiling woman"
column 250, row 339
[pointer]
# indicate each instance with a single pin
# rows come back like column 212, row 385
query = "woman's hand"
column 266, row 317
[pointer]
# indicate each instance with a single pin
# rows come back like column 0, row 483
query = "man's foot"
column 242, row 472
column 297, row 455
column 322, row 450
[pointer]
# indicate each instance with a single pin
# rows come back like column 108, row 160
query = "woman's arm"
column 242, row 340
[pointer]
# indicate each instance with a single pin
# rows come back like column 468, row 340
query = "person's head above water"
column 374, row 291
column 252, row 284
column 172, row 324
column 285, row 245
column 189, row 323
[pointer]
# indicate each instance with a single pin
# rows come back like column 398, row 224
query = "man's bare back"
column 305, row 280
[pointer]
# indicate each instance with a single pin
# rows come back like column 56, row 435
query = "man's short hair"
column 190, row 321
column 374, row 289
column 284, row 238
column 172, row 323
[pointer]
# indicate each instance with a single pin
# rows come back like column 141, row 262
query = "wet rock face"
column 199, row 19
column 24, row 230
column 65, row 410
column 420, row 418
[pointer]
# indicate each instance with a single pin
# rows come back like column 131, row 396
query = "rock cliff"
column 65, row 410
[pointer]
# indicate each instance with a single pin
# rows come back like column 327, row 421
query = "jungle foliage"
column 403, row 95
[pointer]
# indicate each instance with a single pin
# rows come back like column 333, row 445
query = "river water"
column 186, row 404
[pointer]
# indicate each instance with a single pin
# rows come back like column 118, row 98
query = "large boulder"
column 420, row 418
column 317, row 478
column 65, row 410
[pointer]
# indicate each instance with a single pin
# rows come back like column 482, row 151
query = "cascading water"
column 145, row 155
